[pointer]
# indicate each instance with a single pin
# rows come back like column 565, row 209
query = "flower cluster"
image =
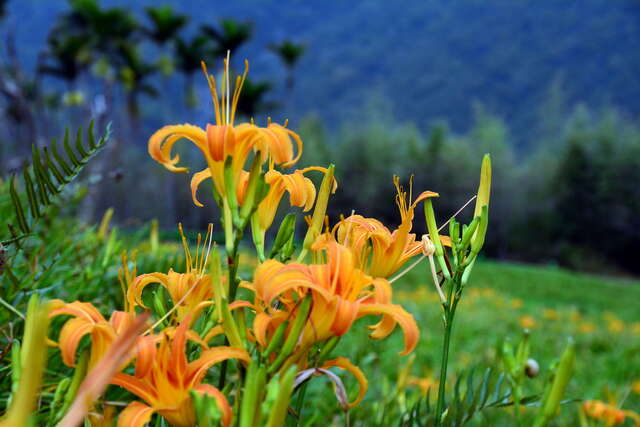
column 279, row 327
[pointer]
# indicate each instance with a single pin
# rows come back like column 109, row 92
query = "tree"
column 231, row 35
column 289, row 53
column 134, row 73
column 71, row 56
column 165, row 24
column 252, row 100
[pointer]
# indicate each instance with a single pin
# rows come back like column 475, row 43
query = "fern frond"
column 48, row 174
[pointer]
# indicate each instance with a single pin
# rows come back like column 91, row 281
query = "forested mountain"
column 425, row 60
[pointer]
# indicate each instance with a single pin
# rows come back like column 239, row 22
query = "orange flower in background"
column 87, row 320
column 608, row 413
column 341, row 293
column 377, row 250
column 224, row 139
column 165, row 378
column 527, row 322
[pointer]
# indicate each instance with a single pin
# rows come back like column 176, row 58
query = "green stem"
column 303, row 390
column 449, row 313
column 453, row 298
column 232, row 264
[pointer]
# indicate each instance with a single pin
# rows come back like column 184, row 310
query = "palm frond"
column 48, row 174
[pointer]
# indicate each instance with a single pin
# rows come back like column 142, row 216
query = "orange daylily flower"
column 608, row 413
column 165, row 379
column 302, row 193
column 377, row 250
column 224, row 139
column 190, row 291
column 88, row 320
column 179, row 287
column 341, row 294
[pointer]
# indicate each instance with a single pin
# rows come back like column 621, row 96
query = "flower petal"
column 198, row 368
column 161, row 143
column 404, row 319
column 223, row 404
column 196, row 180
column 136, row 414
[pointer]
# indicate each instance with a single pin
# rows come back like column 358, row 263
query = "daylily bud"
column 478, row 239
column 253, row 390
column 556, row 389
column 326, row 188
column 428, row 248
column 294, row 334
column 285, row 233
column 104, row 224
column 435, row 236
column 276, row 339
column 254, row 192
column 278, row 412
column 484, row 189
column 532, row 368
column 154, row 238
column 31, row 362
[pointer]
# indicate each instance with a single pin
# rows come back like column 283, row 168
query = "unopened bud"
column 428, row 248
column 532, row 368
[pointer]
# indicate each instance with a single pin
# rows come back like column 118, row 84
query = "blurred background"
column 550, row 88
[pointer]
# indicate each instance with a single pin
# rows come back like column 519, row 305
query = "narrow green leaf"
column 41, row 173
column 17, row 205
column 31, row 194
column 61, row 161
column 83, row 153
column 53, row 168
column 70, row 154
column 91, row 137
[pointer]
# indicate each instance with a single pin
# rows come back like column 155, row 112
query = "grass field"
column 600, row 314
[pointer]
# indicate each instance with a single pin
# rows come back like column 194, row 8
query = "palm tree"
column 231, row 35
column 134, row 72
column 289, row 53
column 3, row 8
column 106, row 27
column 252, row 100
column 71, row 56
column 188, row 56
column 165, row 24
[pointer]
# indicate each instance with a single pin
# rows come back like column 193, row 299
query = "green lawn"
column 600, row 314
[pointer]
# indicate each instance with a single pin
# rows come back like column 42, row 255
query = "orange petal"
column 145, row 354
column 198, row 368
column 223, row 404
column 260, row 327
column 136, row 414
column 404, row 319
column 134, row 292
column 79, row 309
column 161, row 143
column 344, row 363
column 135, row 386
column 196, row 180
column 70, row 336
column 99, row 377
